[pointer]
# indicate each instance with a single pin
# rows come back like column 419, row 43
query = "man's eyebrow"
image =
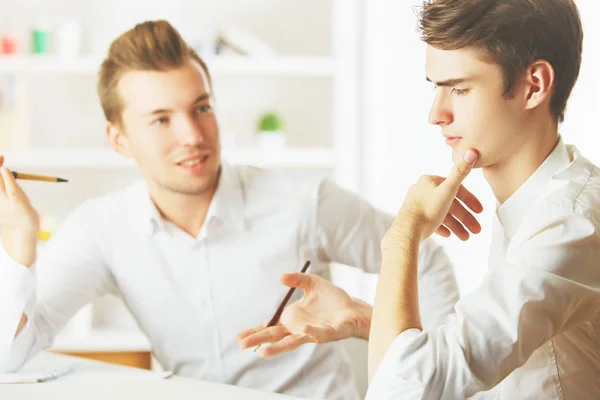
column 450, row 82
column 199, row 99
column 202, row 97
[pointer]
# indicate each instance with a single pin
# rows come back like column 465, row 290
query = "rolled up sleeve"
column 548, row 283
column 17, row 284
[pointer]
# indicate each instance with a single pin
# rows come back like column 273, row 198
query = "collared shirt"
column 191, row 296
column 531, row 330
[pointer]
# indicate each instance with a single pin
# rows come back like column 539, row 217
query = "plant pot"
column 271, row 140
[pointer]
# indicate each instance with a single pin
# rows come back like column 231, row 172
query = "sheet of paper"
column 129, row 375
column 35, row 377
column 82, row 374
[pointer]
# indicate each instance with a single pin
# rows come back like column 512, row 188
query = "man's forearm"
column 21, row 247
column 396, row 306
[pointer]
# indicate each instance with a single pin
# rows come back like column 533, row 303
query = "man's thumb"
column 462, row 169
column 299, row 280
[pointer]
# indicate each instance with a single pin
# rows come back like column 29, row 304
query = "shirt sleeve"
column 349, row 231
column 548, row 283
column 70, row 272
column 17, row 284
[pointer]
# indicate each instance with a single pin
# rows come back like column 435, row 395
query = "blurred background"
column 330, row 87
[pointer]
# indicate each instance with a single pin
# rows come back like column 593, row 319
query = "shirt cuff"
column 397, row 375
column 17, row 283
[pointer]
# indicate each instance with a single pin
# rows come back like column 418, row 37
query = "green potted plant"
column 271, row 133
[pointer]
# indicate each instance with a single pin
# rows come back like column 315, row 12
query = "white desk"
column 94, row 380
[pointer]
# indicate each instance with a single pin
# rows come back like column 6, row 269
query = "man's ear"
column 117, row 139
column 539, row 86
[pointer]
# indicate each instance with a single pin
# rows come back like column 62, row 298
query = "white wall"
column 581, row 120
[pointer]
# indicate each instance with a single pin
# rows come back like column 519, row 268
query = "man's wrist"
column 20, row 249
column 363, row 314
column 410, row 222
column 405, row 233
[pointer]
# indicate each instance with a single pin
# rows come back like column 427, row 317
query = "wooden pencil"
column 275, row 319
column 31, row 177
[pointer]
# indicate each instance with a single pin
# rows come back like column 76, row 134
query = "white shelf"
column 103, row 340
column 288, row 158
column 218, row 65
column 65, row 158
column 107, row 158
column 274, row 66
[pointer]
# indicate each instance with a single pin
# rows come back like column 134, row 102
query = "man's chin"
column 189, row 190
column 195, row 186
column 459, row 153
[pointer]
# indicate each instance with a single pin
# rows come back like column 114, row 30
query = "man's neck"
column 506, row 177
column 187, row 212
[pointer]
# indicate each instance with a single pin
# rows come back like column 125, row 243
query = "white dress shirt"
column 532, row 329
column 192, row 296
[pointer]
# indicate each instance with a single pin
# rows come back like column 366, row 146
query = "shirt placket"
column 206, row 306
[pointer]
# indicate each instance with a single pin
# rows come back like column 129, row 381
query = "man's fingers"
column 244, row 334
column 469, row 199
column 2, row 188
column 268, row 335
column 461, row 170
column 5, row 182
column 10, row 184
column 248, row 332
column 464, row 217
column 2, row 184
column 443, row 231
column 305, row 282
column 456, row 227
column 289, row 343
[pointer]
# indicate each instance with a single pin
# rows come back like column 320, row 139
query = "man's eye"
column 459, row 92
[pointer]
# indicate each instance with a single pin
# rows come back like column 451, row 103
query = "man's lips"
column 191, row 161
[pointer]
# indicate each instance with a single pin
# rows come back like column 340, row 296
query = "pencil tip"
column 61, row 180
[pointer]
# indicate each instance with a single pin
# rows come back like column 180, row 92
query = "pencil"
column 287, row 297
column 31, row 177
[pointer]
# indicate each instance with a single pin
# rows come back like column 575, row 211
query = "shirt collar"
column 227, row 204
column 143, row 205
column 512, row 212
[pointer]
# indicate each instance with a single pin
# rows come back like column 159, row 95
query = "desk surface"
column 97, row 380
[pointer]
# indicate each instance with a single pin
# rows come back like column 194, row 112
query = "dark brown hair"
column 512, row 34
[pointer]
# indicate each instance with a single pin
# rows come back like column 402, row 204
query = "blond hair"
column 149, row 46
